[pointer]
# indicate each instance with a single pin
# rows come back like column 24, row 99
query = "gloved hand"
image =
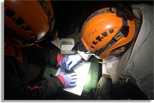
column 70, row 79
column 69, row 61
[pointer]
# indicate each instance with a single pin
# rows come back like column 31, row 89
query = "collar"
column 12, row 51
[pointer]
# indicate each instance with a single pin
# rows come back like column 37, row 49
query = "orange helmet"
column 27, row 22
column 103, row 31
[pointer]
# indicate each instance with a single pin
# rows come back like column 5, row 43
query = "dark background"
column 71, row 14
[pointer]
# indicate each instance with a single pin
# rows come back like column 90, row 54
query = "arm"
column 15, row 88
column 43, row 54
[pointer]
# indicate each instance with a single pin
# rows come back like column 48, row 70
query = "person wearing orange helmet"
column 25, row 24
column 123, row 33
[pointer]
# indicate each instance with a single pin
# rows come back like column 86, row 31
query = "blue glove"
column 70, row 79
column 69, row 61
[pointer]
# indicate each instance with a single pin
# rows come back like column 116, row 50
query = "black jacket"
column 15, row 62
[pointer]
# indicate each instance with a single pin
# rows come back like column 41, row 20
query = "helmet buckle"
column 125, row 30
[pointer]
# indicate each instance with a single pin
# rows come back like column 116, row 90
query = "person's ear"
column 120, row 50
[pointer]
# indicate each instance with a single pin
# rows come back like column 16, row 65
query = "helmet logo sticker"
column 92, row 33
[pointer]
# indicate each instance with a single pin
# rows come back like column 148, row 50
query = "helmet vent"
column 104, row 34
column 22, row 26
column 95, row 42
column 99, row 38
column 9, row 13
column 19, row 21
column 27, row 28
column 92, row 47
column 31, row 34
column 111, row 31
column 13, row 19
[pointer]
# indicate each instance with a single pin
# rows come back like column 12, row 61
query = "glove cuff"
column 79, row 57
column 59, row 59
column 61, row 79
